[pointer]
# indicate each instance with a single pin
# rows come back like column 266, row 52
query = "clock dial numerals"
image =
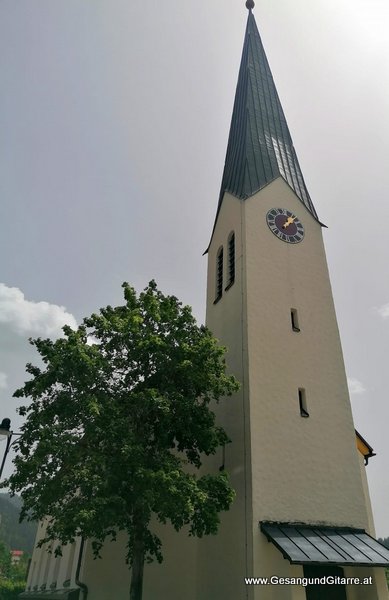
column 285, row 225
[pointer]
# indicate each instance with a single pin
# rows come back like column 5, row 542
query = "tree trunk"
column 137, row 570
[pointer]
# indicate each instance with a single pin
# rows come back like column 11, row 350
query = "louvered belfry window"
column 231, row 259
column 219, row 273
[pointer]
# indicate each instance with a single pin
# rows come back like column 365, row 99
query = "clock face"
column 285, row 225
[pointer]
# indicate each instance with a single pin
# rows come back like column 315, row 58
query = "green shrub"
column 10, row 590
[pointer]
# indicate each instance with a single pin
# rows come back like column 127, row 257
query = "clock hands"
column 288, row 222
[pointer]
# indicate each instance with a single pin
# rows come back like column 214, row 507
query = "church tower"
column 302, row 505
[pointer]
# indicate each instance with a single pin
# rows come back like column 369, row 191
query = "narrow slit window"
column 303, row 403
column 219, row 274
column 222, row 466
column 294, row 319
column 231, row 259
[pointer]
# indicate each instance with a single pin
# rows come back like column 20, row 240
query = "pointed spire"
column 260, row 147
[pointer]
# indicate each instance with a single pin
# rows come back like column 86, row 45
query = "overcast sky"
column 114, row 119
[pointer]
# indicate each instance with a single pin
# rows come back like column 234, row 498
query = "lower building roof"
column 309, row 544
column 69, row 594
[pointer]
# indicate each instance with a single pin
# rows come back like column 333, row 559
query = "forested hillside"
column 15, row 535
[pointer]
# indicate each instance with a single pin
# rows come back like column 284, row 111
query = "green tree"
column 10, row 589
column 119, row 411
column 5, row 560
column 18, row 570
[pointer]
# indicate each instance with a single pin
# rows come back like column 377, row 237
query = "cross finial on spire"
column 250, row 4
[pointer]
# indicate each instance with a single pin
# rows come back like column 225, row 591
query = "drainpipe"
column 80, row 584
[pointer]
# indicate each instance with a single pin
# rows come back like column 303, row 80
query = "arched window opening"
column 219, row 274
column 231, row 259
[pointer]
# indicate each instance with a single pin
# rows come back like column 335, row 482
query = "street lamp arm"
column 9, row 443
column 13, row 435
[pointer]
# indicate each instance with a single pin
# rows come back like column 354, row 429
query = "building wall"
column 223, row 561
column 311, row 462
column 108, row 577
column 174, row 579
column 378, row 588
column 50, row 572
column 371, row 528
column 283, row 467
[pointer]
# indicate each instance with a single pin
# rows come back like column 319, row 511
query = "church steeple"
column 260, row 147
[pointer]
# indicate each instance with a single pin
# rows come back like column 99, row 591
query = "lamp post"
column 5, row 432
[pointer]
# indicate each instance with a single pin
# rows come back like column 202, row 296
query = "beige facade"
column 109, row 577
column 285, row 467
column 50, row 574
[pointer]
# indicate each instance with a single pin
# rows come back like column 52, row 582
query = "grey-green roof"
column 305, row 544
column 260, row 147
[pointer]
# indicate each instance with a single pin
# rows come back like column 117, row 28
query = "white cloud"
column 91, row 339
column 3, row 381
column 355, row 387
column 383, row 311
column 26, row 317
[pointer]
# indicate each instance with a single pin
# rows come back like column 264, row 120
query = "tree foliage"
column 5, row 560
column 118, row 413
column 12, row 575
column 10, row 589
